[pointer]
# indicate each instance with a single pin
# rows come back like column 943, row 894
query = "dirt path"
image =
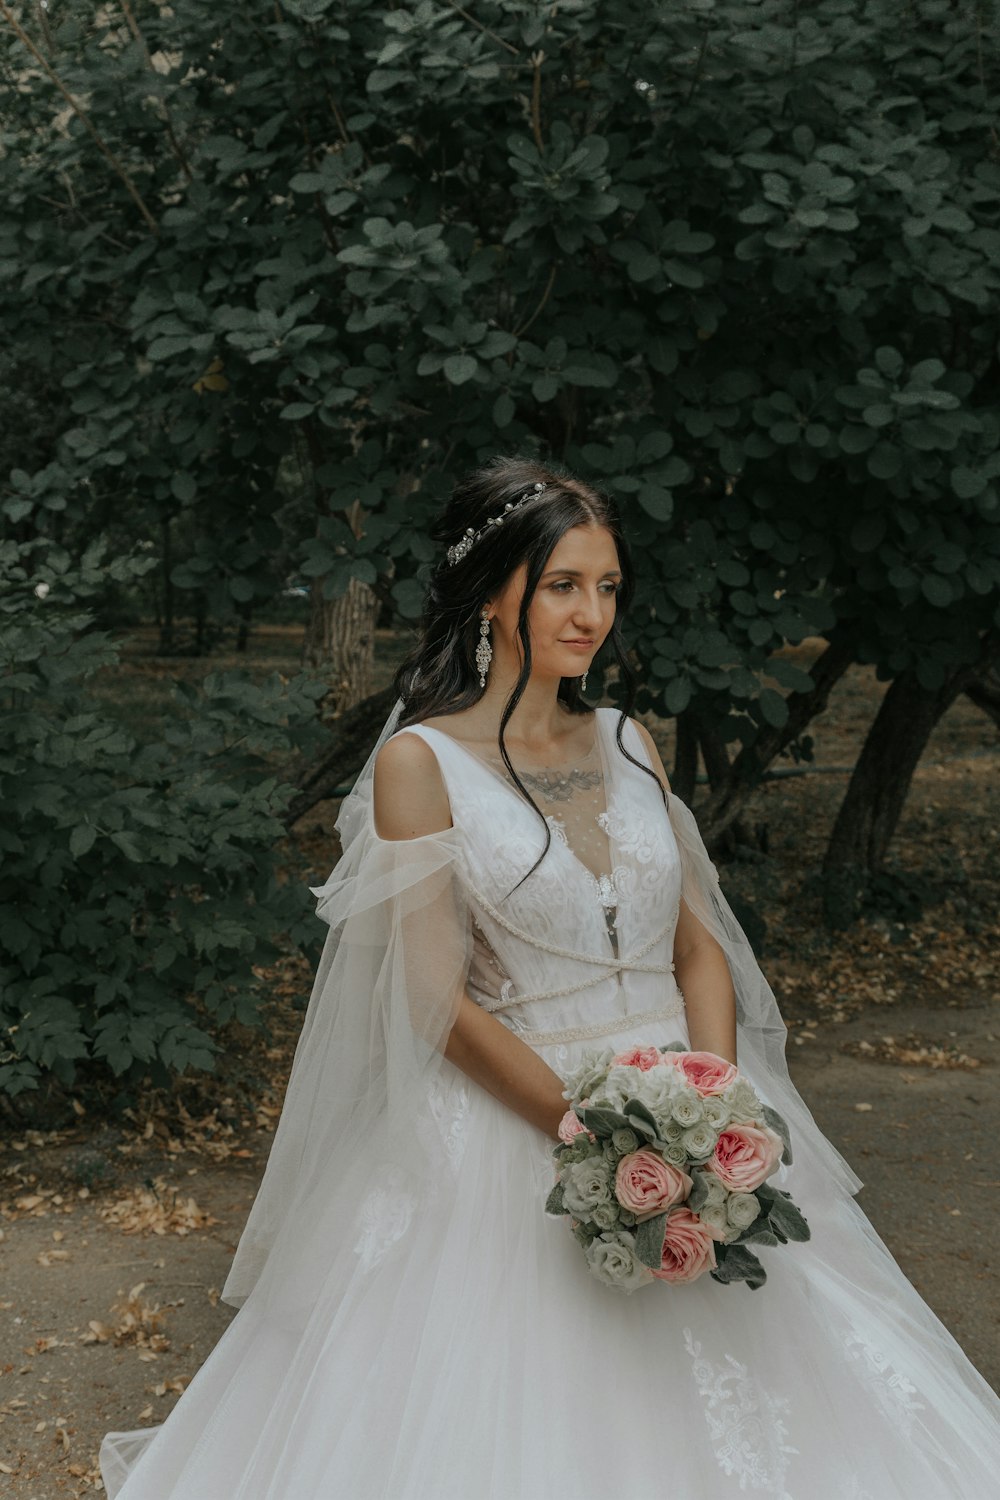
column 928, row 1131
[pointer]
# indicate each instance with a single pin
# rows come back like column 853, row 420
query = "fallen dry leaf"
column 155, row 1210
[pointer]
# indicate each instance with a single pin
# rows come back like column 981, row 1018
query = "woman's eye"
column 566, row 583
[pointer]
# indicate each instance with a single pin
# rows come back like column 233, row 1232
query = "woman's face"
column 572, row 611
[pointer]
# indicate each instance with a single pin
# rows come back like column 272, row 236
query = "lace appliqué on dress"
column 387, row 1210
column 892, row 1390
column 449, row 1104
column 744, row 1423
column 384, row 1218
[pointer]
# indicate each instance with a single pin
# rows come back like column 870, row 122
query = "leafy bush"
column 138, row 889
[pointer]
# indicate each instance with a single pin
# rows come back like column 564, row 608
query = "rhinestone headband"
column 469, row 540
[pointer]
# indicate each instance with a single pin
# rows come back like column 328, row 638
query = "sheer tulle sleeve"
column 386, row 993
column 760, row 1031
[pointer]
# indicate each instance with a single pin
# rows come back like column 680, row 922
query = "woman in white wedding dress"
column 518, row 885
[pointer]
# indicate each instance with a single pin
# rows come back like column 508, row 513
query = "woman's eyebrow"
column 575, row 573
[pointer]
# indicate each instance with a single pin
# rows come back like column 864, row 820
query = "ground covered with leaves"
column 117, row 1224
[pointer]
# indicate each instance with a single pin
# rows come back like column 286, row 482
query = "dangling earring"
column 583, row 683
column 484, row 651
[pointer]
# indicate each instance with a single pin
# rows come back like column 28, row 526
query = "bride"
column 519, row 885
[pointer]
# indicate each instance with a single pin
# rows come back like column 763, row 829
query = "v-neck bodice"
column 573, row 801
column 587, row 936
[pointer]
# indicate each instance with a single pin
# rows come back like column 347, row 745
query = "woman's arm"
column 409, row 801
column 700, row 966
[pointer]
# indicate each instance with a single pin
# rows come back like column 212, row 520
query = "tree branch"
column 81, row 114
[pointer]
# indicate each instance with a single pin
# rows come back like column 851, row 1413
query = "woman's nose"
column 588, row 608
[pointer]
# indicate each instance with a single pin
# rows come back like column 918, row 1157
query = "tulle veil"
column 358, row 1117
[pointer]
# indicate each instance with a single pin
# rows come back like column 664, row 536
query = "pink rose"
column 688, row 1248
column 639, row 1057
column 706, row 1071
column 647, row 1184
column 744, row 1155
column 571, row 1125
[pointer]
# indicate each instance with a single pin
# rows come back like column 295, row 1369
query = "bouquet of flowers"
column 662, row 1167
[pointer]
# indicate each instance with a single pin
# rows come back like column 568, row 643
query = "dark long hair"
column 440, row 676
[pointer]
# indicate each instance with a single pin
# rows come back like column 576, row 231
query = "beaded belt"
column 601, row 1028
column 609, row 966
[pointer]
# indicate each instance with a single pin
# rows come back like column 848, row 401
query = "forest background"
column 270, row 279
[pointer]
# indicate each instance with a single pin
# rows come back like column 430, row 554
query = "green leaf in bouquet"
column 699, row 1192
column 554, row 1202
column 649, row 1241
column 600, row 1120
column 777, row 1124
column 757, row 1233
column 765, row 1194
column 787, row 1220
column 584, row 1232
column 735, row 1263
column 677, row 1046
column 642, row 1119
column 581, row 1148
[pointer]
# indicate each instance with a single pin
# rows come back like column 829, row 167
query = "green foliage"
column 735, row 261
column 138, row 888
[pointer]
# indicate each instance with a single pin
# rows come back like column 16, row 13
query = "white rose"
column 605, row 1215
column 744, row 1105
column 619, row 1085
column 657, row 1088
column 688, row 1108
column 675, row 1153
column 713, row 1216
column 587, row 1074
column 612, row 1260
column 716, row 1111
column 699, row 1141
column 742, row 1209
column 585, row 1185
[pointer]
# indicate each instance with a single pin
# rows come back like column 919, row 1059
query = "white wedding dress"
column 454, row 1345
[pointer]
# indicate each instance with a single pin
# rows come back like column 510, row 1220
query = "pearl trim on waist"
column 600, row 1028
column 610, row 966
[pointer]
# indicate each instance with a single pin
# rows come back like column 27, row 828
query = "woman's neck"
column 541, row 727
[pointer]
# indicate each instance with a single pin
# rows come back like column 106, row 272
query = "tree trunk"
column 351, row 740
column 983, row 690
column 713, row 753
column 727, row 801
column 200, row 622
column 245, row 612
column 340, row 642
column 167, row 616
column 682, row 778
column 716, row 758
column 878, row 788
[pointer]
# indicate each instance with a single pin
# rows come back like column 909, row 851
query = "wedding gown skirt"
column 479, row 1359
column 457, row 1347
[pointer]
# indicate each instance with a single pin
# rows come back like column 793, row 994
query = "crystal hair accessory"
column 469, row 540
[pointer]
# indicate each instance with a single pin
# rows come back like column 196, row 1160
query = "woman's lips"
column 580, row 645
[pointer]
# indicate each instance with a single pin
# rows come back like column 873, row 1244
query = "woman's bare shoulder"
column 408, row 790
